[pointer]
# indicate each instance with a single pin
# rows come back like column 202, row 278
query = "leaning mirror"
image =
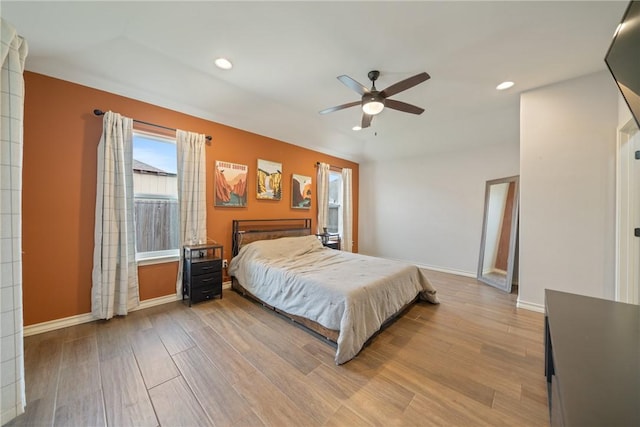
column 499, row 233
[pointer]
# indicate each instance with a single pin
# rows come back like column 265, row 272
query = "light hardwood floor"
column 473, row 360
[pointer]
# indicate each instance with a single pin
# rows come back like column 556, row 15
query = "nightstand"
column 201, row 272
column 330, row 240
column 335, row 244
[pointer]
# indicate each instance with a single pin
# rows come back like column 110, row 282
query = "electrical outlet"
column 224, row 263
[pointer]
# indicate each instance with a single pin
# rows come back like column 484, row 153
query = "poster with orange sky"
column 230, row 184
column 300, row 191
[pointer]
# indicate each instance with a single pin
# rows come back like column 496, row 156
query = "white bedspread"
column 341, row 291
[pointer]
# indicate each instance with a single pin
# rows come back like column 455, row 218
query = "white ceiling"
column 287, row 56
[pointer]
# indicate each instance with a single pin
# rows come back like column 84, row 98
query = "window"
column 155, row 186
column 334, row 221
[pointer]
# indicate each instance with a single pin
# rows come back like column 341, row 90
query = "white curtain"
column 347, row 211
column 13, row 51
column 323, row 196
column 191, row 192
column 115, row 274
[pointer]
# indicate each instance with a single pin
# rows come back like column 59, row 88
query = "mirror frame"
column 512, row 238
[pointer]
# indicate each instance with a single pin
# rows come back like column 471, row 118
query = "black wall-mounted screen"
column 623, row 58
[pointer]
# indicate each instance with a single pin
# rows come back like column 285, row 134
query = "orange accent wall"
column 61, row 135
column 157, row 280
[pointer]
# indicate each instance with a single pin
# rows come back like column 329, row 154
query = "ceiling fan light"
column 372, row 107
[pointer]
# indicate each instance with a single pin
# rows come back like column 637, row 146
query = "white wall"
column 429, row 210
column 624, row 114
column 567, row 188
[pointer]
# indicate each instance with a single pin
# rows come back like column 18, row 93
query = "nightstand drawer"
column 205, row 293
column 206, row 267
column 206, row 280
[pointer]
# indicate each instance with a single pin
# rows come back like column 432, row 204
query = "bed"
column 342, row 296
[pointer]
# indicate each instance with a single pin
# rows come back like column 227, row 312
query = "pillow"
column 283, row 247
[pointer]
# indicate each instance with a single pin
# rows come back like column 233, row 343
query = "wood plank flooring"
column 473, row 360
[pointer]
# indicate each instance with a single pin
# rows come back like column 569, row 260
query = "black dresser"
column 592, row 361
column 201, row 272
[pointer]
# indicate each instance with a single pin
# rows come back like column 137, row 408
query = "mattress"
column 352, row 293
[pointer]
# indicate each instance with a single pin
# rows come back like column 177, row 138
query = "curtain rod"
column 331, row 167
column 101, row 113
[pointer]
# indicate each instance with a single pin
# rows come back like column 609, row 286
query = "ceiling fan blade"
column 340, row 107
column 352, row 84
column 405, row 84
column 403, row 106
column 366, row 120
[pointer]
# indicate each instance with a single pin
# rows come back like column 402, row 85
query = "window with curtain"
column 334, row 220
column 155, row 185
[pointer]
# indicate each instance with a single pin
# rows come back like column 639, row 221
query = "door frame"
column 627, row 269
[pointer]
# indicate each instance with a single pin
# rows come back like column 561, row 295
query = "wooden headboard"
column 250, row 230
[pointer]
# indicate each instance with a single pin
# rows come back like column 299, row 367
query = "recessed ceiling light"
column 356, row 128
column 504, row 85
column 223, row 63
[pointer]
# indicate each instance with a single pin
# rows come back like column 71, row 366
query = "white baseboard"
column 52, row 325
column 472, row 274
column 519, row 304
column 79, row 319
column 530, row 306
column 449, row 270
column 9, row 414
column 157, row 301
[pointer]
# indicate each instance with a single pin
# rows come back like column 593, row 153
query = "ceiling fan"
column 374, row 101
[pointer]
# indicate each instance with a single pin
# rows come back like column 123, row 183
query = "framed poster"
column 300, row 191
column 230, row 184
column 269, row 185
